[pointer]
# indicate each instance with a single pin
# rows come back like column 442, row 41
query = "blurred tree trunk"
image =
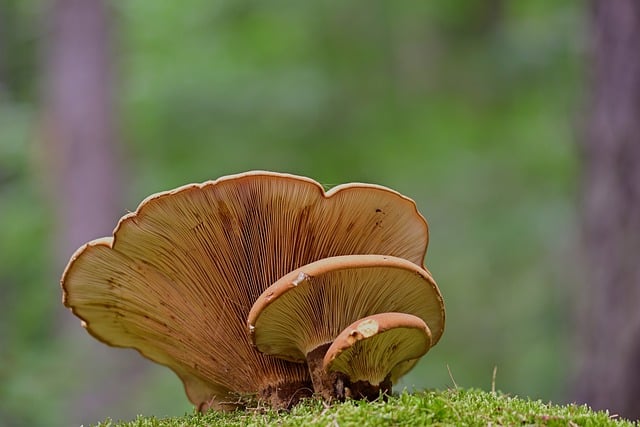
column 609, row 376
column 83, row 181
column 79, row 129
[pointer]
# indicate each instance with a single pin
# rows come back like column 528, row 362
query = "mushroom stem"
column 329, row 385
column 286, row 395
column 336, row 385
column 366, row 390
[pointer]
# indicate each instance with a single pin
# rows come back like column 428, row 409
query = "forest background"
column 475, row 109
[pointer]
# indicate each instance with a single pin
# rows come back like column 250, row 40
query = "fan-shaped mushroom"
column 180, row 274
column 299, row 316
column 375, row 351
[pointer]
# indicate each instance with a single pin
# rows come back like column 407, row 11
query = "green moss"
column 451, row 407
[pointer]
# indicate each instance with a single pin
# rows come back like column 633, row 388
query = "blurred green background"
column 468, row 107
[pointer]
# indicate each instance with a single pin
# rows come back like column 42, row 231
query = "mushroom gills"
column 178, row 275
column 374, row 351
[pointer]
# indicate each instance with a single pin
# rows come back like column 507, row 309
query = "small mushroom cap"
column 371, row 349
column 178, row 277
column 311, row 305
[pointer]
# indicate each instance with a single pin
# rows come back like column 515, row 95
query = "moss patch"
column 450, row 407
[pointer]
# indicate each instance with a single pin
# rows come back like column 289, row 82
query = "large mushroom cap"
column 311, row 305
column 371, row 349
column 180, row 274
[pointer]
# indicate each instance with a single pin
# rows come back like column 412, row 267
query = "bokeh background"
column 472, row 108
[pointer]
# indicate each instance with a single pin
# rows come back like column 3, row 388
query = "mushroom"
column 180, row 274
column 299, row 316
column 375, row 351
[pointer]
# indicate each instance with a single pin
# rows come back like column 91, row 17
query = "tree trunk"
column 83, row 182
column 609, row 375
column 79, row 127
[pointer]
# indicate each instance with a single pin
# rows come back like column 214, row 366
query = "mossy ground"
column 450, row 407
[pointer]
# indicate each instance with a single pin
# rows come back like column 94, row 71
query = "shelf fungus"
column 180, row 275
column 298, row 320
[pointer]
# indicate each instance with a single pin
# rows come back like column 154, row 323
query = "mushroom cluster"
column 264, row 284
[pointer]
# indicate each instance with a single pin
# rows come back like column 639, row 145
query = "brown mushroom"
column 178, row 277
column 299, row 316
column 375, row 351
